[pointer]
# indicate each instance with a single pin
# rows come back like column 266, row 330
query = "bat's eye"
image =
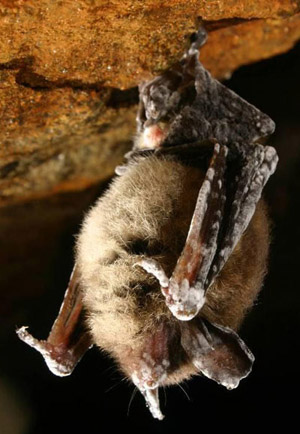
column 145, row 247
column 138, row 247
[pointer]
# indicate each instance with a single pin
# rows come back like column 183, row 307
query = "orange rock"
column 62, row 126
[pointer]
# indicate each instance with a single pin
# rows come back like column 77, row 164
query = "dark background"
column 36, row 242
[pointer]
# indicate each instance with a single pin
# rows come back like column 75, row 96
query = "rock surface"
column 68, row 72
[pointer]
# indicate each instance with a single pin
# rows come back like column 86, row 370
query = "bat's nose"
column 149, row 389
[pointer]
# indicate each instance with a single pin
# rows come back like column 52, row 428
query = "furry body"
column 147, row 213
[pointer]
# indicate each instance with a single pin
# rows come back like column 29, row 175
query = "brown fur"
column 147, row 212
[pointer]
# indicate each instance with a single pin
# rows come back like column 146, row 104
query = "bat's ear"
column 218, row 352
column 68, row 340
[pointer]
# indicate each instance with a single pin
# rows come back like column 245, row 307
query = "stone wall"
column 68, row 72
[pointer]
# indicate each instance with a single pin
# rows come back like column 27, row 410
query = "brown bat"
column 172, row 256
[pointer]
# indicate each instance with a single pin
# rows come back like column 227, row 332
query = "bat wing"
column 248, row 172
column 68, row 340
column 197, row 107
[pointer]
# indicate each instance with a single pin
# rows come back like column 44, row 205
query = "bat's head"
column 173, row 351
column 158, row 360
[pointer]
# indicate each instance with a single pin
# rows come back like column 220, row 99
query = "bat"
column 171, row 258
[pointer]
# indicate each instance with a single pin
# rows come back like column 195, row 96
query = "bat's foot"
column 197, row 40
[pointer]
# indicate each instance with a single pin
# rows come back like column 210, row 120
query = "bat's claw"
column 198, row 39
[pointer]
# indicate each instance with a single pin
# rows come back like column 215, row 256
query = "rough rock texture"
column 57, row 140
column 117, row 43
column 63, row 122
